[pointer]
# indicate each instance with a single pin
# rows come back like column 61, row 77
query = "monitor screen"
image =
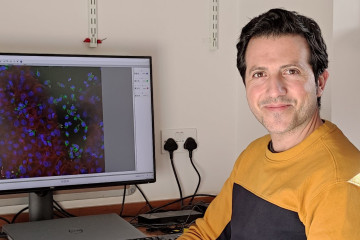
column 71, row 121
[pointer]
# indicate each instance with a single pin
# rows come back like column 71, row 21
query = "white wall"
column 194, row 87
column 346, row 82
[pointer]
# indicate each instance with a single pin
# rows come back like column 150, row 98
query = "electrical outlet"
column 179, row 135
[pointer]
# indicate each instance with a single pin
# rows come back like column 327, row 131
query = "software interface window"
column 71, row 120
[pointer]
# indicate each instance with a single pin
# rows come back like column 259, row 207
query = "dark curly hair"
column 279, row 22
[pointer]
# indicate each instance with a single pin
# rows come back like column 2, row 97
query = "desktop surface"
column 105, row 226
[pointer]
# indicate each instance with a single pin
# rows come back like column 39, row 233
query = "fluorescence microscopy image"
column 51, row 121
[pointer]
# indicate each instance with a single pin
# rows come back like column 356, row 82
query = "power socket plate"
column 179, row 135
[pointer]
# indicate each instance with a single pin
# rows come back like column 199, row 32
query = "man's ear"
column 322, row 79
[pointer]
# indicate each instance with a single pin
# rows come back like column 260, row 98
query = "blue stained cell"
column 17, row 123
column 48, row 126
column 77, row 167
column 10, row 83
column 83, row 124
column 67, row 134
column 81, row 97
column 23, row 135
column 101, row 124
column 64, row 106
column 31, row 133
column 30, row 155
column 57, row 132
column 31, row 93
column 69, row 79
column 37, row 73
column 84, row 137
column 49, row 143
column 38, row 155
column 75, row 147
column 16, row 145
column 24, row 161
column 46, row 164
column 67, row 117
column 23, row 96
column 76, row 130
column 58, row 153
column 72, row 87
column 23, row 122
column 98, row 170
column 7, row 174
column 82, row 170
column 30, row 160
column 2, row 142
column 22, row 169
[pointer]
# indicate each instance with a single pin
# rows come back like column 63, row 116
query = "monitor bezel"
column 101, row 184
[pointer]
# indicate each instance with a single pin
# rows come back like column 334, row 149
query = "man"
column 302, row 181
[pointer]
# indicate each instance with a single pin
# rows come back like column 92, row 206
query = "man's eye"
column 291, row 71
column 258, row 75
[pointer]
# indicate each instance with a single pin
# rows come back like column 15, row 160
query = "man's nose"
column 276, row 85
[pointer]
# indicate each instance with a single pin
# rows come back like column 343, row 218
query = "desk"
column 130, row 209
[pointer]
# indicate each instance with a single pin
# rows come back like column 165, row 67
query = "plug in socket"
column 179, row 135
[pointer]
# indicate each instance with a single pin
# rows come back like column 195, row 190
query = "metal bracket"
column 214, row 24
column 92, row 17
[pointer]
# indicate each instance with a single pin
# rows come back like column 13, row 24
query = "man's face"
column 280, row 84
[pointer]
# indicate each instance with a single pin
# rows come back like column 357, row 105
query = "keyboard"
column 171, row 236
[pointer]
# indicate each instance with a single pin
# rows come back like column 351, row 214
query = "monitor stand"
column 41, row 205
column 42, row 226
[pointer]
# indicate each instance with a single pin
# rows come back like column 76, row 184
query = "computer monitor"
column 74, row 121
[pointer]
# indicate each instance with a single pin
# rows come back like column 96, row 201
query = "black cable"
column 178, row 200
column 142, row 193
column 199, row 181
column 170, row 146
column 61, row 210
column 5, row 220
column 17, row 214
column 190, row 144
column 177, row 181
column 123, row 202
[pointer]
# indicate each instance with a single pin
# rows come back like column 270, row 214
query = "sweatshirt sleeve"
column 335, row 213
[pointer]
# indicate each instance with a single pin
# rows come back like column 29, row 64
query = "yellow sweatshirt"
column 311, row 191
